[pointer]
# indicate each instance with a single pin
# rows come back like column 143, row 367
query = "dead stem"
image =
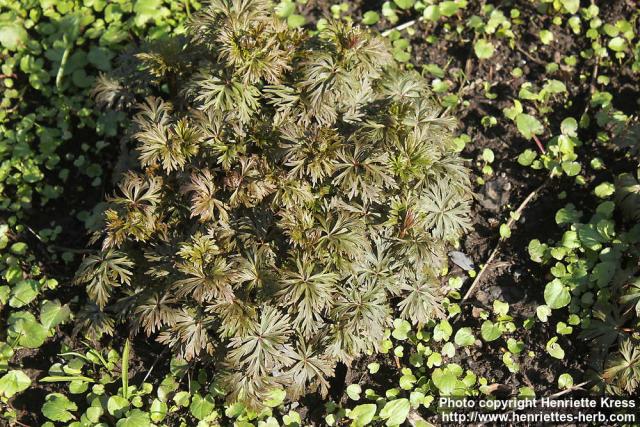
column 495, row 251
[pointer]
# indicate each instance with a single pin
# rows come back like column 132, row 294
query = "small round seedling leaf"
column 556, row 294
column 543, row 312
column 401, row 329
column 528, row 125
column 52, row 313
column 275, row 397
column 135, row 418
column 527, row 157
column 617, row 44
column 117, row 405
column 201, row 407
column 370, row 18
column 58, row 407
column 31, row 334
column 395, row 412
column 554, row 349
column 23, row 293
column 483, row 49
column 489, row 331
column 295, row 21
column 12, row 34
column 565, row 381
column 14, row 382
column 158, row 410
column 404, row 4
column 464, row 337
column 353, row 391
column 362, row 414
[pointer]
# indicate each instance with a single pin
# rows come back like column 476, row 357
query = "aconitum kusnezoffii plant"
column 294, row 194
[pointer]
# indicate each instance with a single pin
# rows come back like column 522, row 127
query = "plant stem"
column 539, row 144
column 63, row 63
column 125, row 369
column 402, row 26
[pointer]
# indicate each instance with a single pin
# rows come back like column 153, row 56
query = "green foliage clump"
column 294, row 192
column 52, row 52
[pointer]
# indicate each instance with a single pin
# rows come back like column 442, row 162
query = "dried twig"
column 402, row 26
column 495, row 251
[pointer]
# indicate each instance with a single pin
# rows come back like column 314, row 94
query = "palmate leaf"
column 310, row 367
column 379, row 266
column 103, row 272
column 413, row 158
column 632, row 295
column 93, row 322
column 162, row 140
column 249, row 184
column 604, row 328
column 310, row 152
column 237, row 318
column 155, row 311
column 623, row 368
column 255, row 268
column 206, row 282
column 447, row 214
column 265, row 347
column 308, row 293
column 166, row 56
column 360, row 314
column 204, row 203
column 135, row 212
column 428, row 117
column 341, row 234
column 189, row 336
column 421, row 299
column 404, row 87
column 363, row 174
column 255, row 51
column 209, row 276
column 225, row 95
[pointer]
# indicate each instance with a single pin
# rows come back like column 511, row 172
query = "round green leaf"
column 117, row 405
column 275, row 397
column 12, row 34
column 528, row 125
column 617, row 44
column 370, row 18
column 554, row 349
column 404, row 4
column 135, row 418
column 58, row 408
column 362, row 414
column 52, row 313
column 489, row 331
column 201, row 407
column 395, row 412
column 483, row 49
column 353, row 391
column 23, row 293
column 13, row 382
column 556, row 294
column 464, row 337
column 158, row 410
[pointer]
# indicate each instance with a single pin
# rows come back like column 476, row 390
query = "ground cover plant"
column 260, row 214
